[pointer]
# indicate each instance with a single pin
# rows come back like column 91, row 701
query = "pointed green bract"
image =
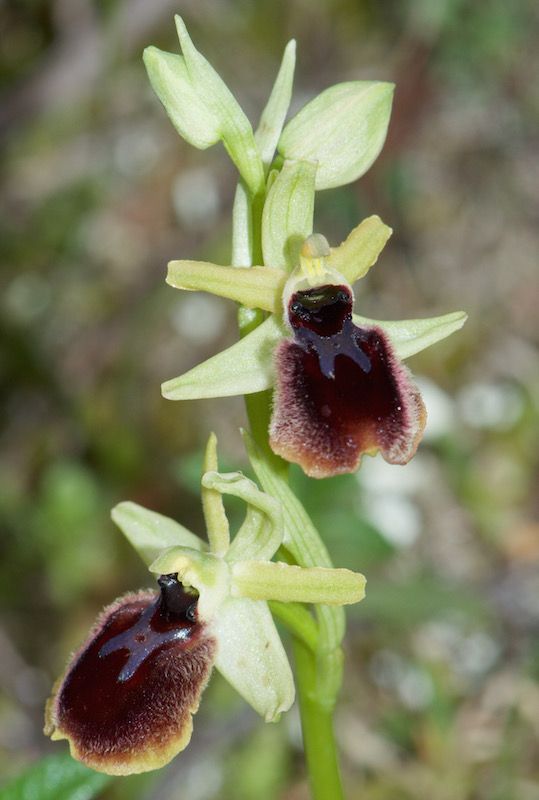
column 343, row 129
column 251, row 656
column 300, row 536
column 244, row 368
column 236, row 131
column 274, row 114
column 360, row 250
column 215, row 517
column 202, row 108
column 262, row 532
column 267, row 580
column 287, row 219
column 410, row 336
column 184, row 105
column 150, row 533
column 255, row 287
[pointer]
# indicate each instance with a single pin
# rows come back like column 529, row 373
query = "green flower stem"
column 317, row 726
column 317, row 649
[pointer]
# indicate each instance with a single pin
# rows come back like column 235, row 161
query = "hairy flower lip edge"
column 124, row 758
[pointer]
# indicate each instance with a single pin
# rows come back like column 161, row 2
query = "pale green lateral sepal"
column 274, row 114
column 243, row 368
column 343, row 129
column 360, row 250
column 251, row 657
column 287, row 218
column 150, row 533
column 267, row 580
column 255, row 287
column 204, row 572
column 410, row 336
column 262, row 531
column 213, row 507
column 235, row 129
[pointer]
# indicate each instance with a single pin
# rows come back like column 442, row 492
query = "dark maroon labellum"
column 127, row 697
column 340, row 389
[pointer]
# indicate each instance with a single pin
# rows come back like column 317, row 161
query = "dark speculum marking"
column 128, row 694
column 169, row 619
column 322, row 322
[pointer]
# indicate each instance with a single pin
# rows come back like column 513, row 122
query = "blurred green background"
column 441, row 699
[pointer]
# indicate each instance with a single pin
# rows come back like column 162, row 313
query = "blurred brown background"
column 441, row 699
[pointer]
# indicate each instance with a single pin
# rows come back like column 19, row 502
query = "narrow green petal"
column 410, row 336
column 360, row 250
column 150, row 533
column 237, row 133
column 262, row 532
column 212, row 504
column 274, row 114
column 255, row 287
column 244, row 368
column 242, row 228
column 251, row 657
column 287, row 218
column 267, row 580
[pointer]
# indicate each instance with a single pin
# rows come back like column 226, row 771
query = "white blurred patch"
column 199, row 318
column 136, row 151
column 195, row 197
column 389, row 502
column 27, row 297
column 396, row 517
column 496, row 406
column 440, row 409
column 411, row 683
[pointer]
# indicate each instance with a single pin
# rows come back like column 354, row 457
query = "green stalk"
column 318, row 657
column 317, row 727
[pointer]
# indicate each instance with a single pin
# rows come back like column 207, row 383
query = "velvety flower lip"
column 340, row 391
column 340, row 387
column 127, row 697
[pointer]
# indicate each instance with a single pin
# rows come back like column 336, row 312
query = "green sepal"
column 410, row 336
column 150, row 533
column 360, row 250
column 243, row 368
column 217, row 526
column 274, row 114
column 287, row 218
column 261, row 534
column 268, row 580
column 251, row 656
column 255, row 287
column 343, row 129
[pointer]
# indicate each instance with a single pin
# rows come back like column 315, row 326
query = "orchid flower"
column 126, row 700
column 340, row 388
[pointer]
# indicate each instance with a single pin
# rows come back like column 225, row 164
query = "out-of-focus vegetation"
column 441, row 699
